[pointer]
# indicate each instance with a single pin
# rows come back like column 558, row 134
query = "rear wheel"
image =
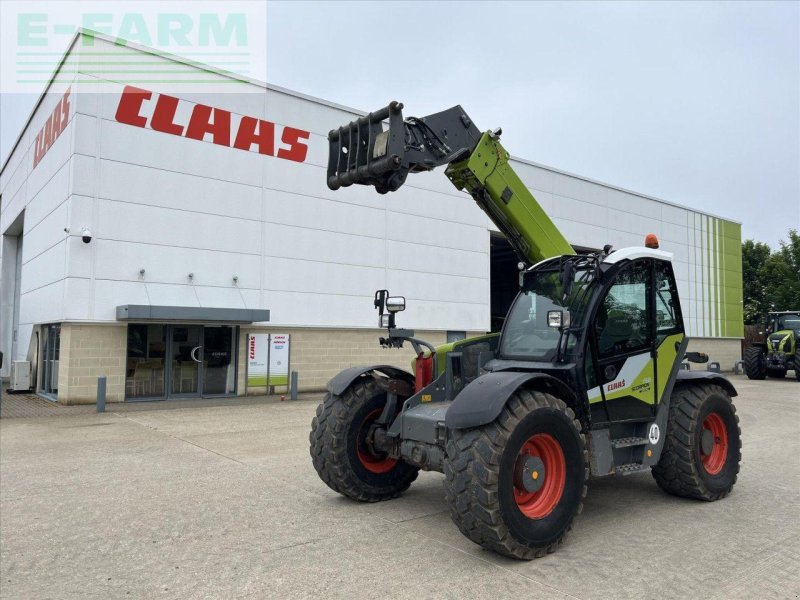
column 515, row 486
column 755, row 364
column 797, row 365
column 703, row 447
column 341, row 452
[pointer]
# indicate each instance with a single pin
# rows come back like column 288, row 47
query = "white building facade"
column 209, row 219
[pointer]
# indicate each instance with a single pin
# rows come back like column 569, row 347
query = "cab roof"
column 635, row 252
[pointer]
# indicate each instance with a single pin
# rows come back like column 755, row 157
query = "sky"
column 694, row 103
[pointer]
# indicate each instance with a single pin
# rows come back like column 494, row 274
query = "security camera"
column 86, row 235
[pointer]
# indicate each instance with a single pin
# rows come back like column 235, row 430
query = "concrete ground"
column 222, row 502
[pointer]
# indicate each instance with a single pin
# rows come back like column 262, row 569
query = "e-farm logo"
column 227, row 36
column 180, row 29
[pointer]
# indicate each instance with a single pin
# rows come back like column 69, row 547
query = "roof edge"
column 276, row 88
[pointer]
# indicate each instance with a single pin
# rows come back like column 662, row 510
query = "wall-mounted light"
column 191, row 276
column 141, row 273
column 235, row 280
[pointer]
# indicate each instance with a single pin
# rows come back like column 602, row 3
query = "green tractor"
column 780, row 352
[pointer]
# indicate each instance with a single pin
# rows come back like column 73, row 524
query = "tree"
column 754, row 289
column 771, row 279
column 783, row 270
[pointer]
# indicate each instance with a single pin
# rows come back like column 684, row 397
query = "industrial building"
column 147, row 232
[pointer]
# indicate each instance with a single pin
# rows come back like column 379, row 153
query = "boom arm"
column 364, row 152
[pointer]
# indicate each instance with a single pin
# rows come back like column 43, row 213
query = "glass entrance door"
column 187, row 359
column 219, row 373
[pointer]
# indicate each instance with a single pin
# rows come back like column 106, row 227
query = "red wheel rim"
column 715, row 460
column 374, row 463
column 539, row 504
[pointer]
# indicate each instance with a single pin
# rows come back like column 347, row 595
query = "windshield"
column 526, row 334
column 788, row 322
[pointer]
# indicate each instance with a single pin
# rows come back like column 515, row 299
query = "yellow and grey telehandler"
column 583, row 381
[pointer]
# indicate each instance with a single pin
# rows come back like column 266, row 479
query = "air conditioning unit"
column 20, row 376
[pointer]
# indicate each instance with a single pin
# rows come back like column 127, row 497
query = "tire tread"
column 328, row 446
column 755, row 364
column 471, row 470
column 677, row 472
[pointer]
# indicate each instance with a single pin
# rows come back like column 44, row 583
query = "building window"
column 180, row 361
column 51, row 353
column 144, row 365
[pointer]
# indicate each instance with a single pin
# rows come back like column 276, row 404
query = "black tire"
column 797, row 365
column 681, row 470
column 479, row 477
column 755, row 364
column 776, row 373
column 337, row 437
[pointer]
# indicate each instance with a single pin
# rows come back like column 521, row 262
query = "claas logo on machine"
column 224, row 127
column 615, row 386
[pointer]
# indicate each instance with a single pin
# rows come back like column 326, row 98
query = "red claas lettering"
column 215, row 121
column 297, row 150
column 164, row 115
column 251, row 134
column 255, row 131
column 130, row 104
column 52, row 128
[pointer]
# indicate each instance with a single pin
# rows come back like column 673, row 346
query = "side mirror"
column 558, row 319
column 697, row 357
column 395, row 304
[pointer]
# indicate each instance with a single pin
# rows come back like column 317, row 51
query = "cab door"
column 623, row 346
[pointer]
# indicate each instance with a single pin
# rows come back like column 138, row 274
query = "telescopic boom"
column 366, row 152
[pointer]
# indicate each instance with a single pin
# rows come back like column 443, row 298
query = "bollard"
column 293, row 386
column 101, row 394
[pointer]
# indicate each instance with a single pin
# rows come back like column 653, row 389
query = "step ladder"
column 630, row 442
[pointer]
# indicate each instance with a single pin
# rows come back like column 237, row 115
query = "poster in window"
column 257, row 352
column 279, row 359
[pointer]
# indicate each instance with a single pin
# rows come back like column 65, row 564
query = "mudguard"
column 340, row 382
column 481, row 401
column 706, row 376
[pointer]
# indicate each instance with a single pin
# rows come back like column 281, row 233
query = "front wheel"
column 703, row 447
column 341, row 453
column 755, row 365
column 515, row 486
column 797, row 365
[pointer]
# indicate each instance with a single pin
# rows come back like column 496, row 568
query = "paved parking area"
column 222, row 502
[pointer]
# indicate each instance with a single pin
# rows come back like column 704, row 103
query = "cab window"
column 623, row 323
column 668, row 308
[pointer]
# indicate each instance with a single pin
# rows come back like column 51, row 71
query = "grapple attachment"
column 367, row 152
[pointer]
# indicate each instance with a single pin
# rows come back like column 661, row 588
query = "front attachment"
column 366, row 152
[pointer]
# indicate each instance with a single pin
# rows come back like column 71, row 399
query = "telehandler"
column 583, row 381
